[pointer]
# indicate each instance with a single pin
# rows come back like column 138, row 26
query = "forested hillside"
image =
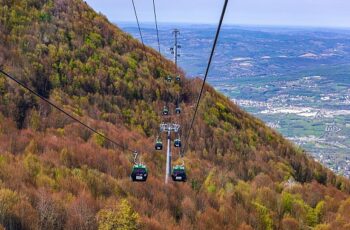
column 55, row 174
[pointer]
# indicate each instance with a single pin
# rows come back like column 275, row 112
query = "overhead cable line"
column 206, row 73
column 138, row 26
column 64, row 112
column 156, row 22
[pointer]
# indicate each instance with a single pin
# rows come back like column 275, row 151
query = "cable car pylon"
column 174, row 49
column 168, row 128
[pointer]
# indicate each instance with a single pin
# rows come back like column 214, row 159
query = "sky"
column 315, row 13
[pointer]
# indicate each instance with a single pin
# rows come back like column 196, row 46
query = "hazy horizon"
column 281, row 26
column 291, row 13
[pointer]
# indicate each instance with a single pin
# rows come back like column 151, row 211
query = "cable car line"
column 64, row 112
column 140, row 32
column 206, row 74
column 140, row 170
column 156, row 22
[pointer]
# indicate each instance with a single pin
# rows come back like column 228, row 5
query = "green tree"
column 286, row 202
column 32, row 166
column 264, row 216
column 122, row 217
column 100, row 140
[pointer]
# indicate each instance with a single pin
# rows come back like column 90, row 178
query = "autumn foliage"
column 54, row 174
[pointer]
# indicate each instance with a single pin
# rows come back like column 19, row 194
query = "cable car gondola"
column 177, row 143
column 159, row 144
column 179, row 173
column 139, row 173
column 165, row 111
column 169, row 79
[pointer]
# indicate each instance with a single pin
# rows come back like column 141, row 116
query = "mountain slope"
column 54, row 174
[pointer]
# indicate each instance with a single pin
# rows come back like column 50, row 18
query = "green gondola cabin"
column 165, row 111
column 139, row 173
column 177, row 143
column 169, row 79
column 159, row 145
column 179, row 173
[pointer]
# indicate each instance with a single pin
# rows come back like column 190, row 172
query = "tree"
column 265, row 220
column 81, row 213
column 8, row 200
column 289, row 223
column 52, row 215
column 120, row 217
column 245, row 226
